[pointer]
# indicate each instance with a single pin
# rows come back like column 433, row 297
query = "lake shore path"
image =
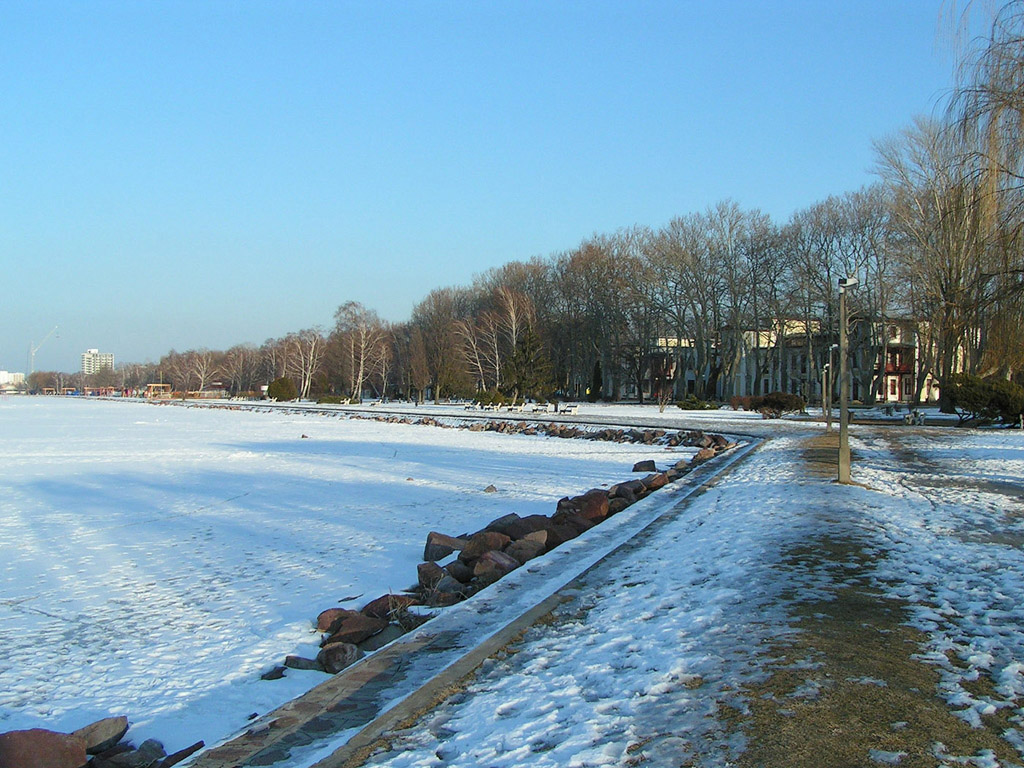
column 766, row 617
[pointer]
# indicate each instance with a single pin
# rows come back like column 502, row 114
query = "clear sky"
column 200, row 174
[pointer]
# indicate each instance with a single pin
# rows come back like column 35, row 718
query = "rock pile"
column 98, row 745
column 492, row 552
column 553, row 429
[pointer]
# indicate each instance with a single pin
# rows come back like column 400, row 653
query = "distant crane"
column 33, row 348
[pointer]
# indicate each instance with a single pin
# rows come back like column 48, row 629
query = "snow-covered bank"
column 153, row 561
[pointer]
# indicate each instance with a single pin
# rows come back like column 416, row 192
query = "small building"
column 158, row 392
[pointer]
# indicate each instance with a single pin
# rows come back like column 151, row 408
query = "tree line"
column 714, row 302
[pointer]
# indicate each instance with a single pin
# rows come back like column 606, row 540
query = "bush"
column 774, row 404
column 1007, row 399
column 490, row 397
column 977, row 398
column 332, row 400
column 694, row 403
column 784, row 402
column 282, row 390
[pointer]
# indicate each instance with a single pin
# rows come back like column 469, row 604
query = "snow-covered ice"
column 154, row 560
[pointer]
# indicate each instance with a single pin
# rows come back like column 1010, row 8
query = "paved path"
column 748, row 644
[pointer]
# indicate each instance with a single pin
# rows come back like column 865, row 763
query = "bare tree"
column 360, row 334
column 305, row 356
column 934, row 209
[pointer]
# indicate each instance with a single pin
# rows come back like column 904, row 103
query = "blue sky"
column 200, row 174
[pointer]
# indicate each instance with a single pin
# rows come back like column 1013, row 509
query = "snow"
column 154, row 560
column 638, row 666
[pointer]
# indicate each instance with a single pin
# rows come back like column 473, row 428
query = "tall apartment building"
column 93, row 360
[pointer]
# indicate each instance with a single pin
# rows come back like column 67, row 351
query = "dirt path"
column 849, row 685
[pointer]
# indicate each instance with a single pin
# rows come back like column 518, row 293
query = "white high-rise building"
column 9, row 378
column 93, row 361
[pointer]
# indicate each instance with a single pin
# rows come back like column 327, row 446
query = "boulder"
column 387, row 606
column 300, row 662
column 655, row 481
column 593, row 505
column 103, row 734
column 524, row 550
column 559, row 533
column 443, row 599
column 492, row 565
column 181, row 754
column 428, row 574
column 541, row 537
column 512, row 525
column 336, row 656
column 459, row 571
column 146, row 755
column 355, row 628
column 536, row 523
column 616, row 505
column 490, row 489
column 450, row 585
column 645, row 466
column 39, row 748
column 329, row 620
column 382, row 638
column 439, row 546
column 274, row 674
column 631, row 490
column 485, row 541
column 703, row 455
column 574, row 522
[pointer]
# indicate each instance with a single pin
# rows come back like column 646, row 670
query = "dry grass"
column 849, row 683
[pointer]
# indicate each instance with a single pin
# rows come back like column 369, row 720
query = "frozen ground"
column 154, row 560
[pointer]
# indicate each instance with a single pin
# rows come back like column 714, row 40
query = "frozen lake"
column 154, row 560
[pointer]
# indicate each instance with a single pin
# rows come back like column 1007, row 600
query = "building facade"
column 94, row 361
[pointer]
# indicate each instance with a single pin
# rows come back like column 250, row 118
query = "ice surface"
column 154, row 560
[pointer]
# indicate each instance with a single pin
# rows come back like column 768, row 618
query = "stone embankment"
column 98, row 745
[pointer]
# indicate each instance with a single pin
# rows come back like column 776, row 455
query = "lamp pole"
column 829, row 367
column 844, row 384
column 826, row 371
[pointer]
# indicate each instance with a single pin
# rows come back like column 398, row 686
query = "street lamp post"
column 827, row 388
column 826, row 371
column 844, row 384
